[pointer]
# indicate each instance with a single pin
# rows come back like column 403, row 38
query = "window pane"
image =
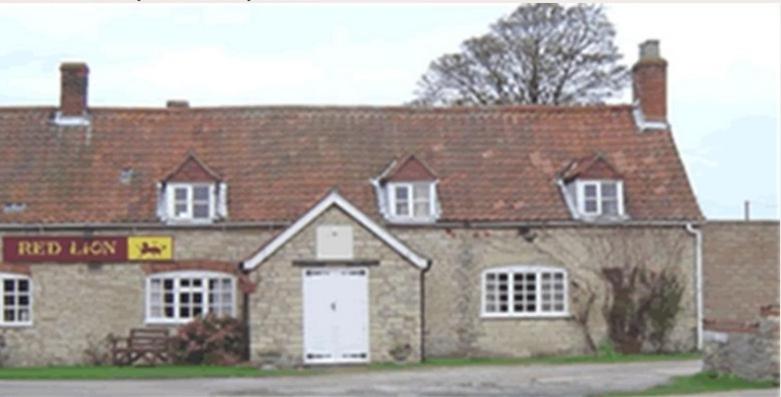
column 24, row 285
column 402, row 208
column 590, row 205
column 200, row 211
column 402, row 193
column 8, row 300
column 421, row 192
column 180, row 209
column 8, row 315
column 24, row 315
column 590, row 190
column 609, row 190
column 180, row 194
column 422, row 210
column 8, row 285
column 610, row 207
column 155, row 311
column 201, row 193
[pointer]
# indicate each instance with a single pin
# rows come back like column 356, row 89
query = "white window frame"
column 204, row 276
column 581, row 196
column 188, row 216
column 16, row 278
column 524, row 269
column 410, row 186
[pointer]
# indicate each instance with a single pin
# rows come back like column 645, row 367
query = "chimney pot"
column 649, row 49
column 73, row 88
column 177, row 104
column 649, row 82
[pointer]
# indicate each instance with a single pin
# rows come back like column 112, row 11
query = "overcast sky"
column 723, row 74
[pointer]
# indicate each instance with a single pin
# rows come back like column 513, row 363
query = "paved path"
column 528, row 380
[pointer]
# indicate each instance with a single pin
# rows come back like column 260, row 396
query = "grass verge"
column 188, row 371
column 704, row 382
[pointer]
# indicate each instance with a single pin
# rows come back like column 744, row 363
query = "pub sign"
column 69, row 249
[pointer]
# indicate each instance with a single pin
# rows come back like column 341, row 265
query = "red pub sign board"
column 62, row 249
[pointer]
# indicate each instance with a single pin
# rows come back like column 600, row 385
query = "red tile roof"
column 591, row 167
column 192, row 170
column 497, row 163
column 410, row 169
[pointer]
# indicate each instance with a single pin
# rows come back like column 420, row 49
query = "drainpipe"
column 697, row 233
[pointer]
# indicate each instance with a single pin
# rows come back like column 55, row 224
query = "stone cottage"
column 338, row 234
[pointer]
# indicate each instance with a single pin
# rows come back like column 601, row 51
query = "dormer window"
column 593, row 189
column 407, row 192
column 192, row 193
column 600, row 197
column 191, row 201
column 412, row 201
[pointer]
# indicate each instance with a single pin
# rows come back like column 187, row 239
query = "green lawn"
column 188, row 371
column 699, row 383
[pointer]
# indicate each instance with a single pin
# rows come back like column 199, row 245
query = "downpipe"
column 697, row 233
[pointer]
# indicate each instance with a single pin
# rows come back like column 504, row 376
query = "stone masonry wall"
column 276, row 321
column 78, row 304
column 454, row 326
column 748, row 350
column 741, row 268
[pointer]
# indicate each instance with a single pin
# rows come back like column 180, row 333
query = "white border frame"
column 203, row 275
column 15, row 276
column 580, row 188
column 334, row 199
column 537, row 269
column 171, row 202
column 390, row 190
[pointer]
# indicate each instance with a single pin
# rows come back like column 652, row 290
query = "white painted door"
column 336, row 315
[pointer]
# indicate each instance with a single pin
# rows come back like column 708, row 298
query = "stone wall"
column 740, row 268
column 276, row 320
column 454, row 326
column 748, row 350
column 78, row 304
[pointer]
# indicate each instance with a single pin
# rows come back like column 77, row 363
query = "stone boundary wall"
column 745, row 349
column 740, row 268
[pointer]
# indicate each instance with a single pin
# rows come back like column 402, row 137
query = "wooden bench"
column 151, row 345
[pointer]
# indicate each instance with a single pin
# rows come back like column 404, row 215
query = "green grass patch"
column 193, row 371
column 549, row 360
column 703, row 382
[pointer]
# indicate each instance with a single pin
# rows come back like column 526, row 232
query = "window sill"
column 162, row 321
column 590, row 218
column 535, row 316
column 410, row 221
column 16, row 325
column 189, row 222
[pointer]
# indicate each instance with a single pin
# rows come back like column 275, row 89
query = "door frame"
column 335, row 361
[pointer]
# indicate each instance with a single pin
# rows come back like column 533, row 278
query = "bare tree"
column 539, row 54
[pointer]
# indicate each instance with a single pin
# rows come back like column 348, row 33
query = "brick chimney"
column 649, row 82
column 73, row 89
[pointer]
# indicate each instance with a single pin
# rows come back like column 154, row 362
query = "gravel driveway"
column 519, row 380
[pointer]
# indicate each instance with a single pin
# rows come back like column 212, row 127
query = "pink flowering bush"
column 210, row 340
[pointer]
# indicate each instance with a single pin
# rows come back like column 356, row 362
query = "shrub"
column 643, row 307
column 210, row 340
